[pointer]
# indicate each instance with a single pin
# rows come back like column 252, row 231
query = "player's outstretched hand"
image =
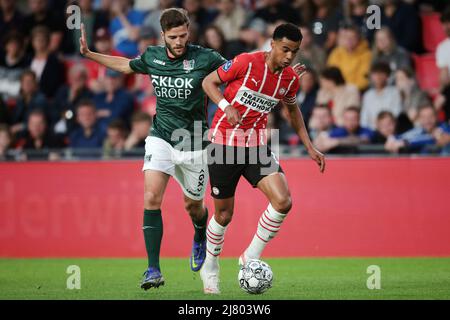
column 83, row 42
column 233, row 116
column 299, row 69
column 318, row 157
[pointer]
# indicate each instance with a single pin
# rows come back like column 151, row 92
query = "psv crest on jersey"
column 188, row 65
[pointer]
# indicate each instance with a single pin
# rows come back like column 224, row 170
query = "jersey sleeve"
column 215, row 60
column 234, row 69
column 139, row 63
column 291, row 95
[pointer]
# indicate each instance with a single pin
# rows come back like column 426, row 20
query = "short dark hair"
column 348, row 25
column 426, row 106
column 117, row 124
column 334, row 74
column 289, row 31
column 28, row 72
column 385, row 114
column 172, row 18
column 14, row 35
column 407, row 71
column 445, row 17
column 382, row 67
column 86, row 103
column 41, row 30
column 353, row 109
column 38, row 112
column 322, row 106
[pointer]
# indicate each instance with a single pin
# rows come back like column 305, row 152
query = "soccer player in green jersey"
column 175, row 145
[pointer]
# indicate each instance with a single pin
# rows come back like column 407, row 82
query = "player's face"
column 284, row 51
column 176, row 40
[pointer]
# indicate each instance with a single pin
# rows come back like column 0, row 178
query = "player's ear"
column 162, row 34
column 272, row 43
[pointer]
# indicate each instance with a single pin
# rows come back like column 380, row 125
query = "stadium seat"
column 427, row 73
column 432, row 31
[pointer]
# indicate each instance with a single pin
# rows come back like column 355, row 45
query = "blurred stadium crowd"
column 366, row 90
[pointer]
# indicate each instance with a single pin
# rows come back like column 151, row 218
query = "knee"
column 152, row 200
column 282, row 204
column 223, row 216
column 195, row 209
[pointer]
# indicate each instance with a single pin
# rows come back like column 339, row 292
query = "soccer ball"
column 255, row 277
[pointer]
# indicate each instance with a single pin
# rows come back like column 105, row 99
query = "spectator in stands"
column 115, row 102
column 103, row 44
column 39, row 138
column 381, row 97
column 125, row 27
column 310, row 54
column 214, row 38
column 352, row 56
column 307, row 95
column 12, row 63
column 386, row 50
column 355, row 12
column 92, row 20
column 91, row 133
column 141, row 123
column 231, row 19
column 5, row 142
column 274, row 10
column 404, row 21
column 321, row 121
column 251, row 37
column 46, row 65
column 142, row 82
column 443, row 62
column 323, row 17
column 42, row 15
column 347, row 138
column 337, row 94
column 10, row 17
column 385, row 127
column 199, row 16
column 30, row 99
column 142, row 87
column 69, row 96
column 424, row 138
column 114, row 143
column 147, row 37
column 411, row 96
column 152, row 19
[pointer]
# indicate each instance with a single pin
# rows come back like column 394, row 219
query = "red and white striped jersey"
column 254, row 91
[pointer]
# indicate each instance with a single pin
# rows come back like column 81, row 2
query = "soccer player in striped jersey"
column 256, row 83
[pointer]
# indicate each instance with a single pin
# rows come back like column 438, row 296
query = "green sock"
column 200, row 227
column 153, row 231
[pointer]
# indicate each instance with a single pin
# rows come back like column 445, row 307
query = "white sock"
column 268, row 226
column 215, row 234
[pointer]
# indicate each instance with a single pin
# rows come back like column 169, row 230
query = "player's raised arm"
column 299, row 126
column 120, row 64
column 211, row 86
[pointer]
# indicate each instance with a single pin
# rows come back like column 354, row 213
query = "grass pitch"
column 296, row 278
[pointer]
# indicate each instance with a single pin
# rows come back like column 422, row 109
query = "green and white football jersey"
column 181, row 102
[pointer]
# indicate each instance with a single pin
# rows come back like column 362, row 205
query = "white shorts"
column 189, row 168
